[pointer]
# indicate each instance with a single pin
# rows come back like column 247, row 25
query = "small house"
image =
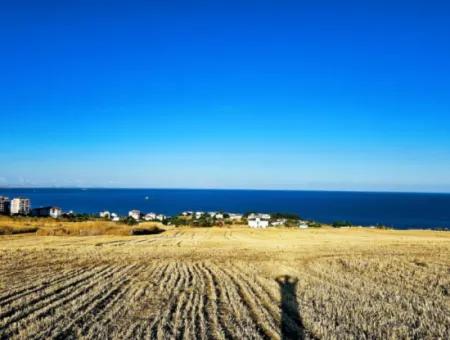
column 105, row 214
column 258, row 220
column 150, row 217
column 136, row 214
column 53, row 212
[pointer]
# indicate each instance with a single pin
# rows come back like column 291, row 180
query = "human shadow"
column 291, row 322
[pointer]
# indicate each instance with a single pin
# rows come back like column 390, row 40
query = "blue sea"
column 398, row 210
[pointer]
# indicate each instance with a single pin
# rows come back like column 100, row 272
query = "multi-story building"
column 19, row 206
column 4, row 205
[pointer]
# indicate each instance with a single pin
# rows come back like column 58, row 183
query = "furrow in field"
column 210, row 296
column 234, row 317
column 216, row 301
column 105, row 316
column 202, row 329
column 183, row 305
column 191, row 316
column 106, row 323
column 87, row 312
column 266, row 312
column 262, row 319
column 17, row 307
column 40, row 285
column 65, row 314
column 167, row 294
column 140, row 309
column 49, row 306
column 164, row 327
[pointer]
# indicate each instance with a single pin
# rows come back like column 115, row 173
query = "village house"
column 115, row 217
column 278, row 222
column 136, row 214
column 105, row 214
column 150, row 217
column 258, row 220
column 20, row 206
column 235, row 217
column 302, row 225
column 199, row 214
column 53, row 212
column 161, row 217
column 219, row 216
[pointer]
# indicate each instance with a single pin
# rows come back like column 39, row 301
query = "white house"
column 136, row 214
column 302, row 225
column 279, row 222
column 219, row 216
column 199, row 214
column 236, row 217
column 105, row 214
column 258, row 223
column 263, row 216
column 258, row 220
column 160, row 217
column 54, row 212
column 150, row 217
column 115, row 217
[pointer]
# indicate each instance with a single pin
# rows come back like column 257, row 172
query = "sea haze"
column 399, row 210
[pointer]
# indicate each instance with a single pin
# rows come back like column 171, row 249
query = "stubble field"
column 224, row 283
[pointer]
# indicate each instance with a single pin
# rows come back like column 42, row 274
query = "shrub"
column 288, row 216
column 129, row 221
column 339, row 224
column 147, row 231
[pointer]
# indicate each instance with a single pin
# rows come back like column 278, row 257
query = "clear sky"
column 351, row 95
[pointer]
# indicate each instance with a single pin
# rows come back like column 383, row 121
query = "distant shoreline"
column 391, row 209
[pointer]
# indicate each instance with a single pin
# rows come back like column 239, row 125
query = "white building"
column 199, row 214
column 105, row 214
column 19, row 206
column 136, row 214
column 279, row 222
column 53, row 212
column 115, row 217
column 161, row 217
column 263, row 216
column 150, row 217
column 302, row 225
column 258, row 220
column 236, row 217
column 219, row 216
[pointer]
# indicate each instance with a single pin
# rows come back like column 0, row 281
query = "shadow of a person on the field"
column 291, row 322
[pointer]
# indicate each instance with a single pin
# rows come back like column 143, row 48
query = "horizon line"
column 224, row 189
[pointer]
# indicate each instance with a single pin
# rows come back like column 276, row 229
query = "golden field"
column 223, row 283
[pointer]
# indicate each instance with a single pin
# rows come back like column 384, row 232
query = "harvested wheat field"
column 227, row 283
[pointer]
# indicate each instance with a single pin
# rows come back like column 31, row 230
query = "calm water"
column 400, row 210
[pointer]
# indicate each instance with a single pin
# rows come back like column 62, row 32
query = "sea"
column 396, row 210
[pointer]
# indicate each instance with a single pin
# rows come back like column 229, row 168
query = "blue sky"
column 334, row 95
